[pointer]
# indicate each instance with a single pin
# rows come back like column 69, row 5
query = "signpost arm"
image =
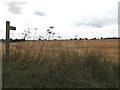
column 7, row 39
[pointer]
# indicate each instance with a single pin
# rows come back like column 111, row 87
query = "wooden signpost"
column 8, row 28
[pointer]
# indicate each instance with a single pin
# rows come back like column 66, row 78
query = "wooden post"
column 7, row 39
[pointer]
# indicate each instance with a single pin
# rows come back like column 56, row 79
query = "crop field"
column 61, row 63
column 110, row 47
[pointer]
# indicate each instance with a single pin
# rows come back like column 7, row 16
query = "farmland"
column 61, row 63
column 108, row 46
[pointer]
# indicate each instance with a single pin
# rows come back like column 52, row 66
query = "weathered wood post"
column 8, row 28
column 7, row 39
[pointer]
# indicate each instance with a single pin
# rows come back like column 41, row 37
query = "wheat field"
column 106, row 46
column 65, row 63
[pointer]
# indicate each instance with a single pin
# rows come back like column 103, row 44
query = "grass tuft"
column 66, row 68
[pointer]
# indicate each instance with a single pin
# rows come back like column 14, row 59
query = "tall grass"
column 66, row 68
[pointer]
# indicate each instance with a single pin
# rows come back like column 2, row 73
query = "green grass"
column 66, row 69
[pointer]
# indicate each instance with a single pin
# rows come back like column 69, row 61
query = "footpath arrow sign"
column 12, row 28
column 8, row 28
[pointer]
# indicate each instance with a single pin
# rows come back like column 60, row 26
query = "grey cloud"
column 96, row 22
column 107, row 18
column 15, row 7
column 91, row 32
column 39, row 13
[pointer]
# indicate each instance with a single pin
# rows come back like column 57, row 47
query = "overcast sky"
column 84, row 18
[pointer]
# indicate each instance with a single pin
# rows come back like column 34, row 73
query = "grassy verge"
column 63, row 69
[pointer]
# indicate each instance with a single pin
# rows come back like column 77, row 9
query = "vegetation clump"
column 64, row 69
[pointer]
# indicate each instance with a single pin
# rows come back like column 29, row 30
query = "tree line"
column 21, row 40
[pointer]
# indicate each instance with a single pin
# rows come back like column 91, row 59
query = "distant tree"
column 75, row 38
column 11, row 40
column 3, row 39
column 54, row 39
column 86, row 39
column 59, row 36
column 39, row 39
column 80, row 38
column 94, row 38
column 101, row 37
column 115, row 38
